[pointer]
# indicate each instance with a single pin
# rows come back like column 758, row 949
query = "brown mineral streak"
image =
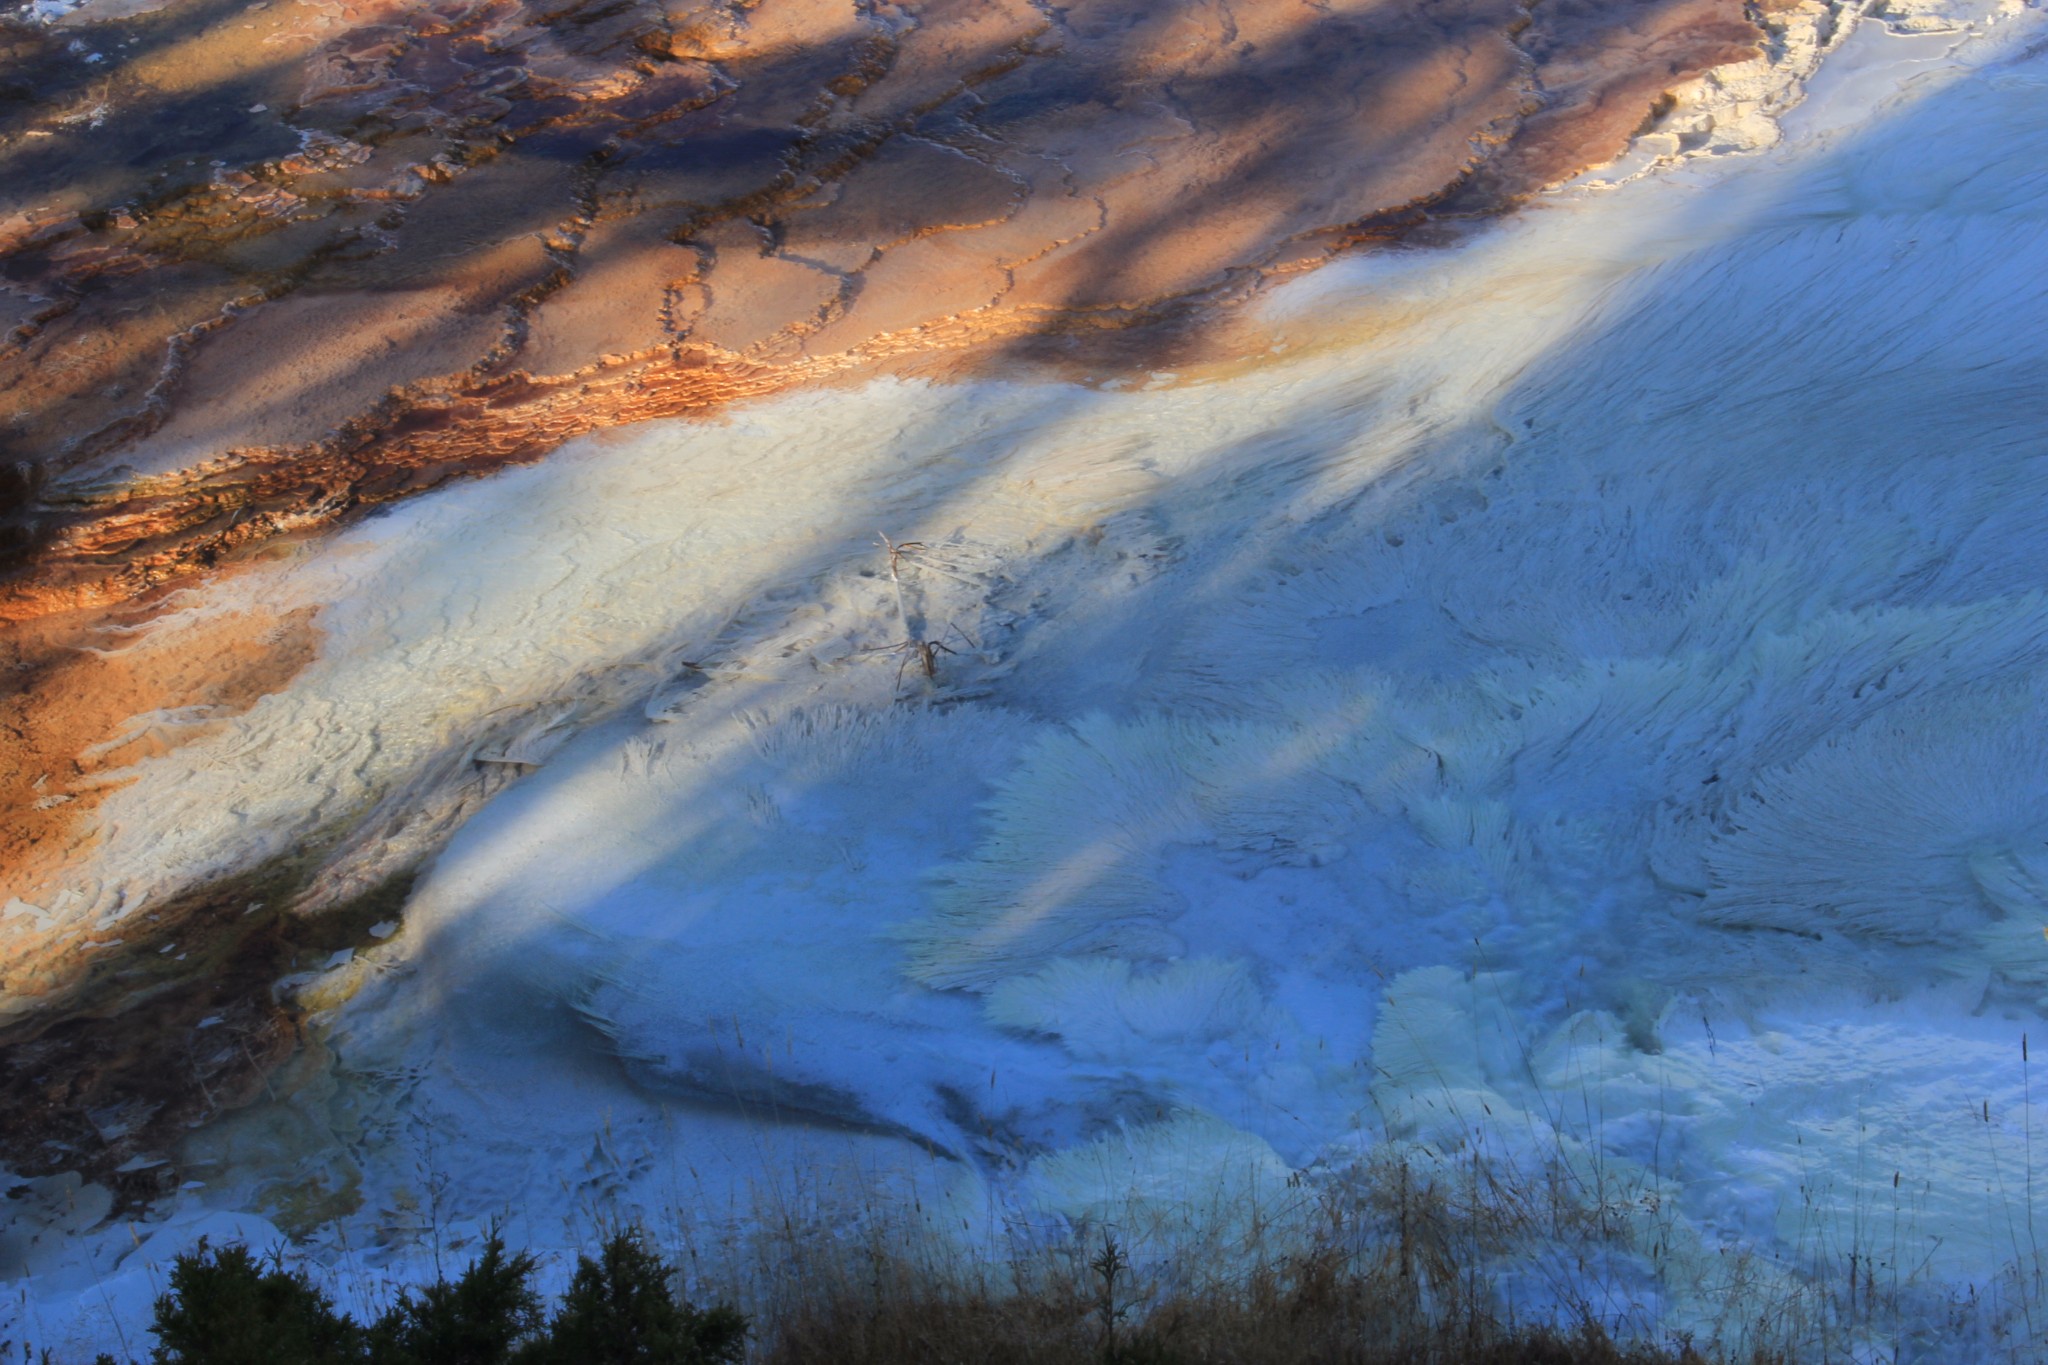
column 262, row 268
column 98, row 1020
column 88, row 696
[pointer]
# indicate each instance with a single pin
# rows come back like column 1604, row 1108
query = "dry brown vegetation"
column 1314, row 1311
column 1395, row 1266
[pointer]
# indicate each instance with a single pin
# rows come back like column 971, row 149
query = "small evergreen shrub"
column 224, row 1308
column 478, row 1320
column 619, row 1311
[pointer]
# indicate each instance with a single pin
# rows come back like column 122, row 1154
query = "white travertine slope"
column 1604, row 662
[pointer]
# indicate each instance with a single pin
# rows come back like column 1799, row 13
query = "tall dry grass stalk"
column 1395, row 1262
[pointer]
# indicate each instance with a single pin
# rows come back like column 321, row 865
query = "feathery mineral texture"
column 264, row 266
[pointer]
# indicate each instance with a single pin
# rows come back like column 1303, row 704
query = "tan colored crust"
column 455, row 233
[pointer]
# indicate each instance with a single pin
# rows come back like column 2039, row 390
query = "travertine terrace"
column 263, row 266
column 267, row 266
column 1044, row 614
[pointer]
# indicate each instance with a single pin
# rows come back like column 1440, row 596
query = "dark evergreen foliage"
column 477, row 1320
column 224, row 1308
column 619, row 1311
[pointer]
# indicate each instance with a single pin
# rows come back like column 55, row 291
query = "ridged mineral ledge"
column 263, row 266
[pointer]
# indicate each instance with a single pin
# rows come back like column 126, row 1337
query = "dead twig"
column 896, row 553
column 927, row 653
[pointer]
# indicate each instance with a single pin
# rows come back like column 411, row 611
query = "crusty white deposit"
column 1580, row 693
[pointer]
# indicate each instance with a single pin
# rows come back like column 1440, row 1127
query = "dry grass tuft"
column 1391, row 1270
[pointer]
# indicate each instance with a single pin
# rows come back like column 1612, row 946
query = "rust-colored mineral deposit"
column 263, row 265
